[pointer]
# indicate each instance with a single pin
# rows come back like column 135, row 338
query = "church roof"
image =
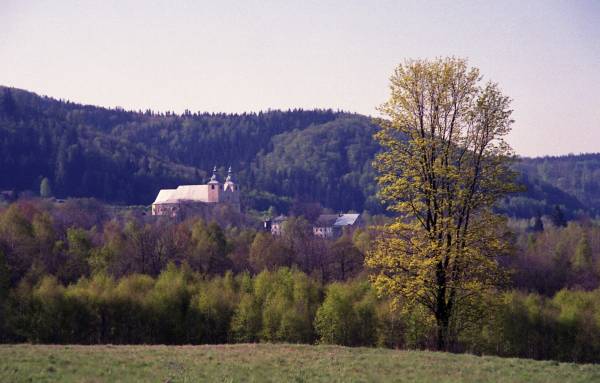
column 164, row 195
column 192, row 192
column 183, row 193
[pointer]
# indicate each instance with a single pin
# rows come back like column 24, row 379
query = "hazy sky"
column 254, row 55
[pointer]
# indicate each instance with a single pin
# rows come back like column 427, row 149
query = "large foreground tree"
column 443, row 166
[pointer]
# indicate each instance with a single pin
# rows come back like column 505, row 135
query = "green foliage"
column 266, row 252
column 570, row 181
column 214, row 306
column 281, row 308
column 329, row 163
column 348, row 315
column 247, row 322
column 557, row 258
column 582, row 259
column 210, row 247
column 79, row 247
column 4, row 290
column 290, row 300
column 4, row 278
column 443, row 166
column 170, row 300
column 565, row 327
column 126, row 157
column 183, row 307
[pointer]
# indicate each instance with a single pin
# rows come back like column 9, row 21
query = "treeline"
column 565, row 327
column 183, row 307
column 80, row 238
column 556, row 257
column 578, row 176
column 279, row 157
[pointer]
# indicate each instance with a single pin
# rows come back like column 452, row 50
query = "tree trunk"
column 442, row 312
column 442, row 332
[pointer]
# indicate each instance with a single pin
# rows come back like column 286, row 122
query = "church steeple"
column 214, row 179
column 229, row 183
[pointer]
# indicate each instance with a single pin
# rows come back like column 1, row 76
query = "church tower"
column 229, row 184
column 231, row 191
column 214, row 187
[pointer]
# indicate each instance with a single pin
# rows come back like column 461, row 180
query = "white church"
column 198, row 198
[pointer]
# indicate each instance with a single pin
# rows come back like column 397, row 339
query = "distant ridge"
column 281, row 157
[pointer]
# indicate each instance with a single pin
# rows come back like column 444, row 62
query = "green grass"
column 271, row 363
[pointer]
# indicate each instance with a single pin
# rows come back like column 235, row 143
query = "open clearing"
column 271, row 363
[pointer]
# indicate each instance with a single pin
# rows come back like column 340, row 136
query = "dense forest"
column 126, row 157
column 280, row 157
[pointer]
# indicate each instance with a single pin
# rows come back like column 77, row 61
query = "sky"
column 236, row 56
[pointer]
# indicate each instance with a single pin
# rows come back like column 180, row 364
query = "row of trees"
column 80, row 238
column 556, row 258
column 180, row 306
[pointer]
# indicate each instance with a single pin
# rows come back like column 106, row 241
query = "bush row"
column 180, row 306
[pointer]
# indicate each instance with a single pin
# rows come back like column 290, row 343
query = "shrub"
column 347, row 316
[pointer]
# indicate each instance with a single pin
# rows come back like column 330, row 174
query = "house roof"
column 279, row 219
column 336, row 220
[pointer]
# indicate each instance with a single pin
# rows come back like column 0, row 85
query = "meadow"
column 271, row 363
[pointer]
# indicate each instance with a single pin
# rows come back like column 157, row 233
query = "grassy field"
column 271, row 363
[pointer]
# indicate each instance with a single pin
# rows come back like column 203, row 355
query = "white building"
column 190, row 198
column 326, row 226
column 332, row 225
column 275, row 225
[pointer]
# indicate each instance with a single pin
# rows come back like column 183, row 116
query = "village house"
column 327, row 226
column 332, row 225
column 192, row 199
column 275, row 225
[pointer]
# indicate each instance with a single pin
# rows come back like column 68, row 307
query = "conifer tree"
column 45, row 189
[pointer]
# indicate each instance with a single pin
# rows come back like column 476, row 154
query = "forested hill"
column 279, row 156
column 571, row 181
column 126, row 157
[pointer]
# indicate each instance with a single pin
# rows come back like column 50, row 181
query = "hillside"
column 271, row 363
column 125, row 157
